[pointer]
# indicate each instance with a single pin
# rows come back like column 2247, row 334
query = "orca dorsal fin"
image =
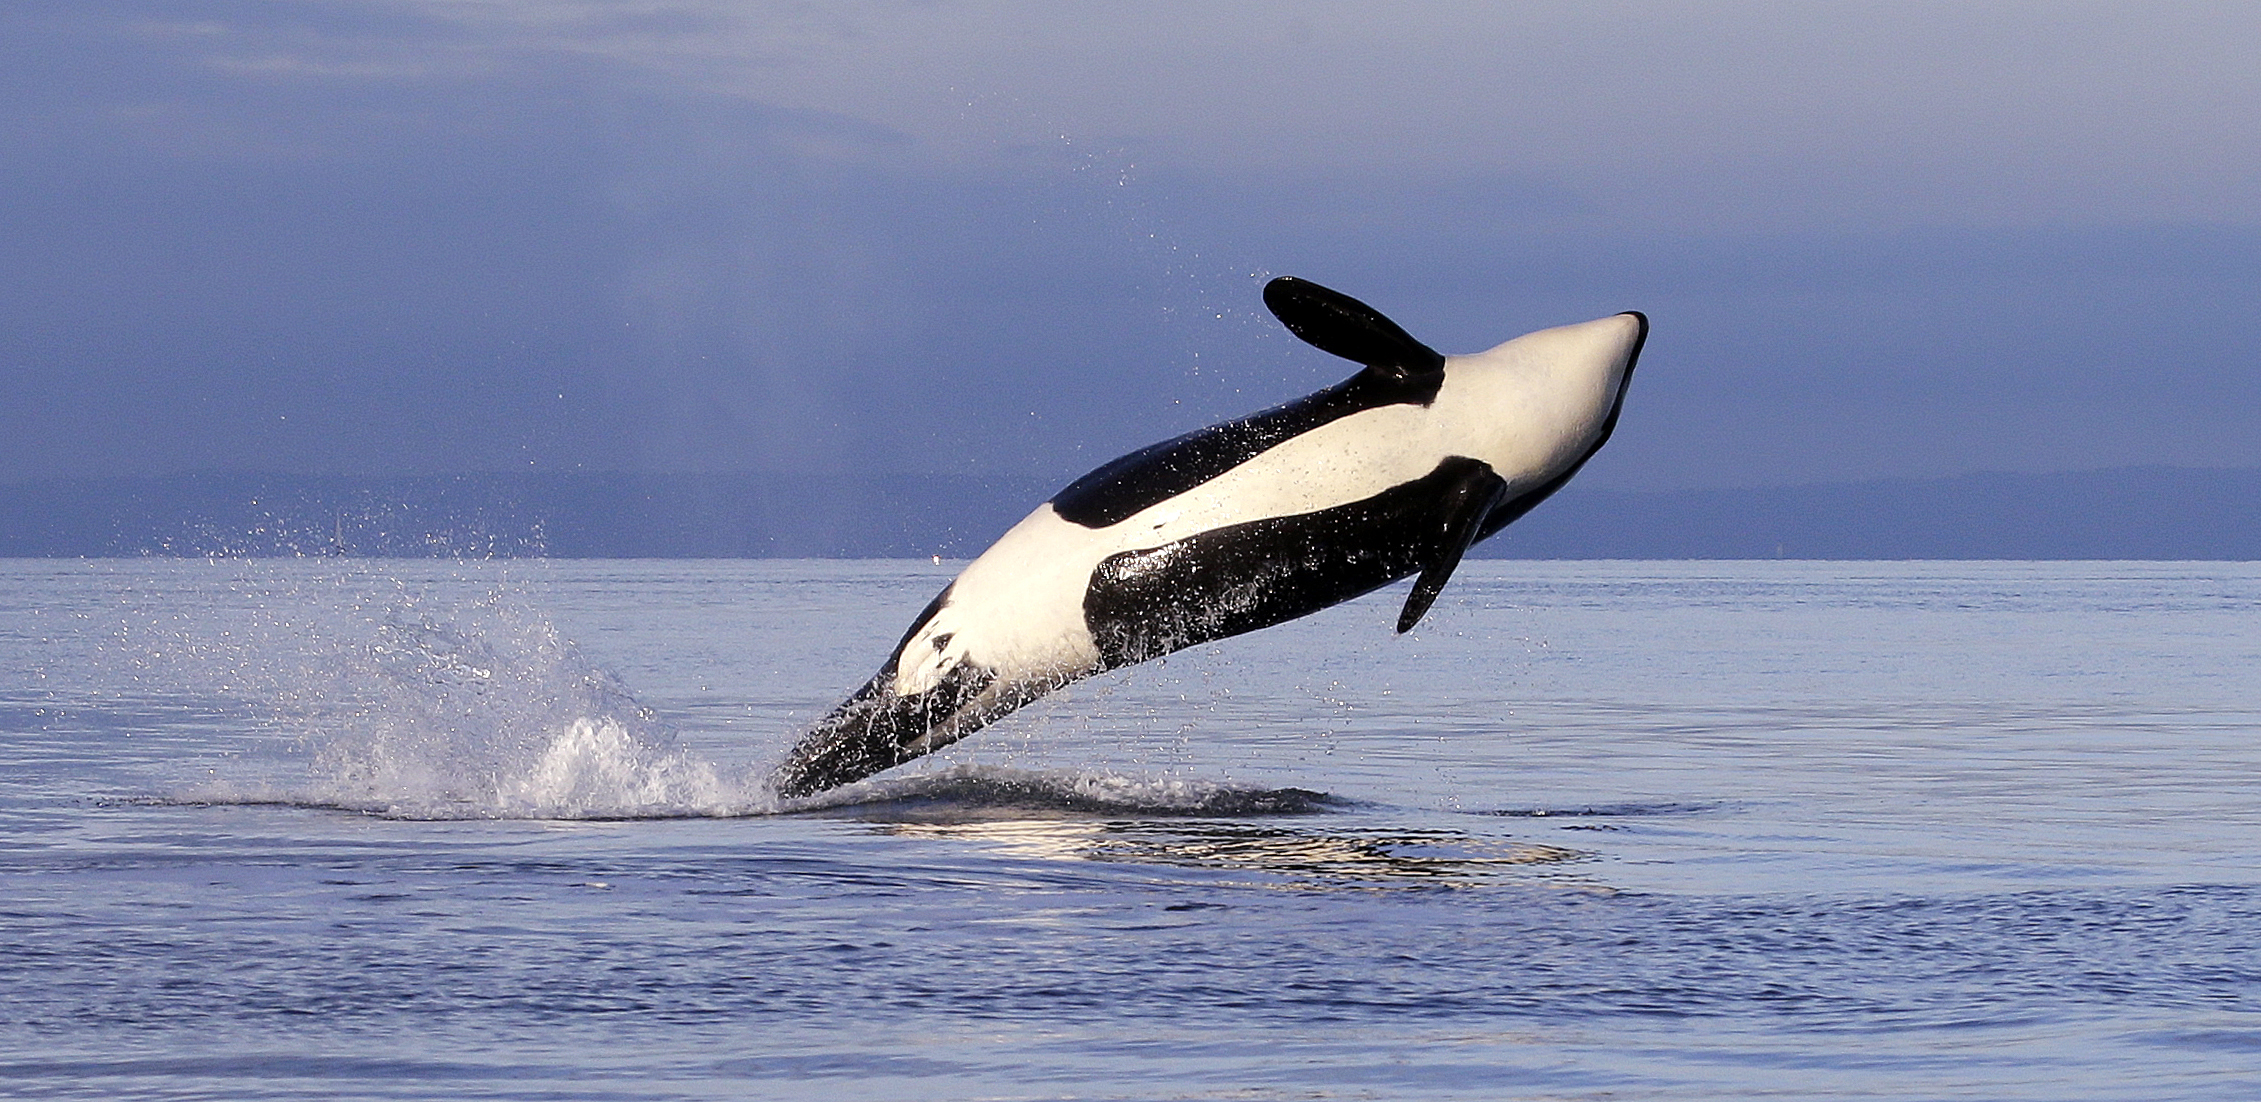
column 1336, row 323
column 1465, row 506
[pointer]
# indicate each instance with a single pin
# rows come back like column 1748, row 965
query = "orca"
column 1392, row 473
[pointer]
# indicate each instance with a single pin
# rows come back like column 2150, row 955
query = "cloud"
column 405, row 236
column 1660, row 116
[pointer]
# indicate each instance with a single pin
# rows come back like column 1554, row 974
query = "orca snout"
column 1634, row 326
column 1612, row 343
column 1587, row 367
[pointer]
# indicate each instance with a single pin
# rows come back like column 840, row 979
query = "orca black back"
column 1398, row 370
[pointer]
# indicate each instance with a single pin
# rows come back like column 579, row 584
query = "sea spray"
column 396, row 702
column 490, row 712
column 450, row 692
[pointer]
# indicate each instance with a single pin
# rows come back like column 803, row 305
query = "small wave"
column 988, row 792
column 1599, row 811
column 595, row 771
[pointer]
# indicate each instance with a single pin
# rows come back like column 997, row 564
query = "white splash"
column 504, row 718
column 412, row 706
column 599, row 768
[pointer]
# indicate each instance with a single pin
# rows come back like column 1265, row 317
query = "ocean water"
column 1596, row 830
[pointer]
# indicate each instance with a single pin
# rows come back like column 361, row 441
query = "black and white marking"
column 1394, row 472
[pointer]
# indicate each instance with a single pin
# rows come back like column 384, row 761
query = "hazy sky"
column 438, row 235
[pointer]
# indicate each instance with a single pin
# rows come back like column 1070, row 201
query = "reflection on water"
column 1305, row 858
column 1098, row 815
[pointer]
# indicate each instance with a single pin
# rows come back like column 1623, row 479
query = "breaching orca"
column 1391, row 473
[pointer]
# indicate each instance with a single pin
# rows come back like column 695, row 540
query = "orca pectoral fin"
column 1462, row 519
column 1336, row 323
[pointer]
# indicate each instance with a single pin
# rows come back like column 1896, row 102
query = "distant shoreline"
column 2144, row 513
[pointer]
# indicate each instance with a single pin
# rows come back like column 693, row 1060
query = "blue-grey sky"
column 418, row 236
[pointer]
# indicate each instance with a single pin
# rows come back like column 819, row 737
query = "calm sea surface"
column 418, row 830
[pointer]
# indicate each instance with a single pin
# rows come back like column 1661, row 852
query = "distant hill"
column 2129, row 513
column 561, row 515
column 2136, row 513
